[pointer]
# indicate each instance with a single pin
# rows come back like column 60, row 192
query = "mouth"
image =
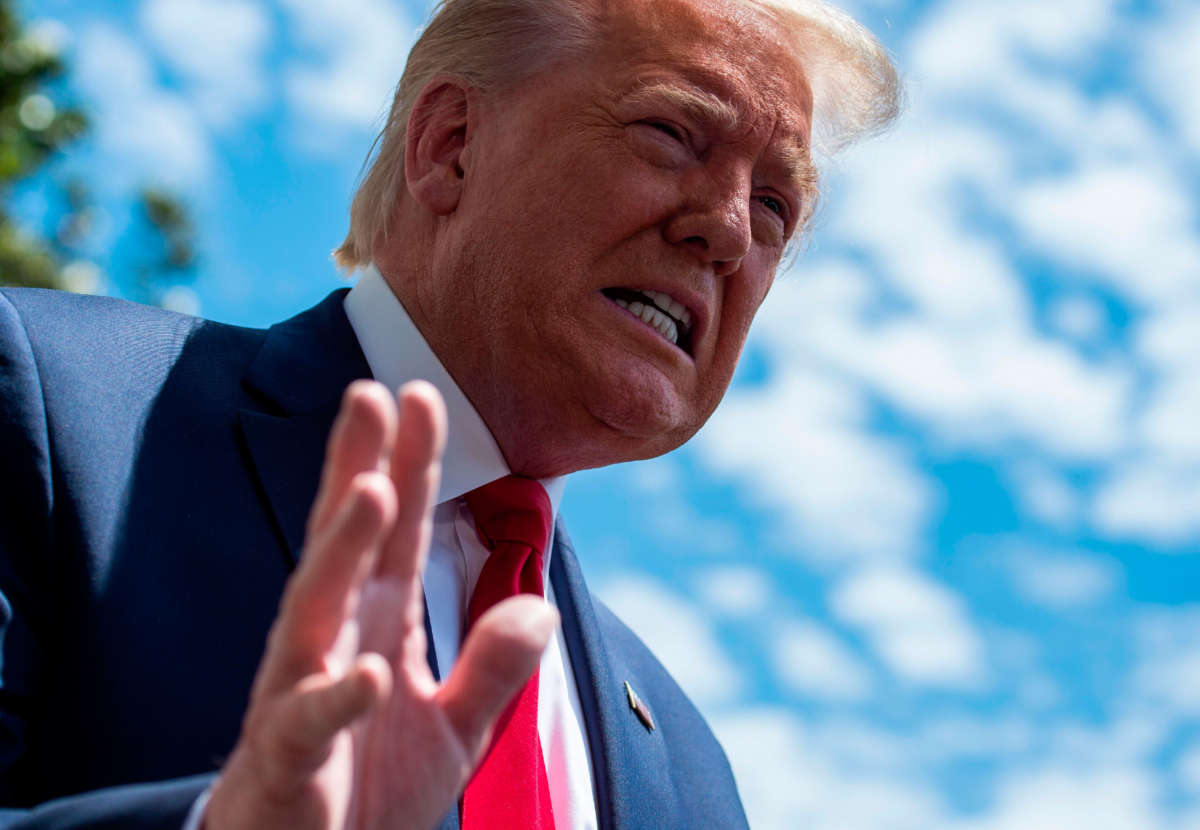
column 661, row 312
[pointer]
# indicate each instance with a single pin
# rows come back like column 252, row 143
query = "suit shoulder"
column 37, row 303
column 94, row 367
column 82, row 336
column 93, row 321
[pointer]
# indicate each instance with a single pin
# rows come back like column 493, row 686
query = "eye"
column 667, row 129
column 663, row 143
column 774, row 205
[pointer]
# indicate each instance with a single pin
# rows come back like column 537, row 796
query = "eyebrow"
column 697, row 103
column 798, row 166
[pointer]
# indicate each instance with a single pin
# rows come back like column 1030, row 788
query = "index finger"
column 392, row 611
column 321, row 594
column 416, row 469
column 360, row 440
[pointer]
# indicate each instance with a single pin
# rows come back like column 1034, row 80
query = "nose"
column 713, row 221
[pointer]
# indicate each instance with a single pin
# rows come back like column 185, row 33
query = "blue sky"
column 935, row 561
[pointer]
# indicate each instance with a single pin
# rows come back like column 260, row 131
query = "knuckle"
column 288, row 751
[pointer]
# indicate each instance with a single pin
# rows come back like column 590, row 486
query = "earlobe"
column 435, row 143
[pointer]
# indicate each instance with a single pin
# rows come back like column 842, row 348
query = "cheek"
column 744, row 297
column 617, row 193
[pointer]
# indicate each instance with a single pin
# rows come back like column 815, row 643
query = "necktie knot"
column 512, row 518
column 511, row 509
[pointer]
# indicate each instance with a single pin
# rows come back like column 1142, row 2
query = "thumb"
column 499, row 655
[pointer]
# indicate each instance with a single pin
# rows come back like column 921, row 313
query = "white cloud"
column 1081, row 778
column 960, row 354
column 1167, row 677
column 1046, row 495
column 1168, row 423
column 656, row 477
column 845, row 493
column 999, row 56
column 1120, row 798
column 918, row 628
column 956, row 347
column 1133, row 224
column 1039, row 692
column 1154, row 499
column 1118, row 132
column 1170, row 337
column 1080, row 317
column 1115, row 205
column 736, row 589
column 967, row 46
column 679, row 634
column 958, row 738
column 1170, row 64
column 900, row 198
column 859, row 745
column 692, row 532
column 845, row 774
column 218, row 46
column 1060, row 579
column 993, row 387
column 1155, row 494
column 1188, row 766
column 789, row 778
column 811, row 661
column 146, row 130
column 360, row 48
column 978, row 385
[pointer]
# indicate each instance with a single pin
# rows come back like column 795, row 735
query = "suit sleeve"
column 26, row 554
column 159, row 806
column 25, row 541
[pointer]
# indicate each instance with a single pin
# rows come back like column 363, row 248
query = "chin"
column 644, row 428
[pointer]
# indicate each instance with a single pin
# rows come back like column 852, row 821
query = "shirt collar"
column 397, row 353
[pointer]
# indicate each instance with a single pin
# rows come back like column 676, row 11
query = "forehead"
column 730, row 48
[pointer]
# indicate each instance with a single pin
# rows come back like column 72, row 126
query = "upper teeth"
column 667, row 326
column 668, row 304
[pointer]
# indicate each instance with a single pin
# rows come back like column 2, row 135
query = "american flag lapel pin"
column 639, row 708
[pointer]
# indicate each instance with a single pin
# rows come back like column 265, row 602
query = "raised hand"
column 346, row 726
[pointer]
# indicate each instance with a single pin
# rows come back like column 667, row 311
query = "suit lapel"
column 632, row 771
column 287, row 453
column 298, row 377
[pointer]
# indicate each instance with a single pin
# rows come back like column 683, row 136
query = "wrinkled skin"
column 579, row 181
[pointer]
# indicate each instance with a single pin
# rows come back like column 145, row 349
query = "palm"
column 390, row 777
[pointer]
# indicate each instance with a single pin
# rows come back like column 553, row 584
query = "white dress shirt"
column 397, row 353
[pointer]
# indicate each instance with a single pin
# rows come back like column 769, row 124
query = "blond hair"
column 496, row 44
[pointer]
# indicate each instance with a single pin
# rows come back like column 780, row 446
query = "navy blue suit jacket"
column 157, row 471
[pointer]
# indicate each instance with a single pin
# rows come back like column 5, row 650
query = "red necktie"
column 510, row 788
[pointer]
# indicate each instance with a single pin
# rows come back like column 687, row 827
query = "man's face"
column 663, row 172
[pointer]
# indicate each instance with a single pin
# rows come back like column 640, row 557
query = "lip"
column 689, row 298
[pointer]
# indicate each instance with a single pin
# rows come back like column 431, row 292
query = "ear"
column 434, row 144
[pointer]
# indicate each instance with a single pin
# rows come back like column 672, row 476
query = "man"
column 576, row 210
